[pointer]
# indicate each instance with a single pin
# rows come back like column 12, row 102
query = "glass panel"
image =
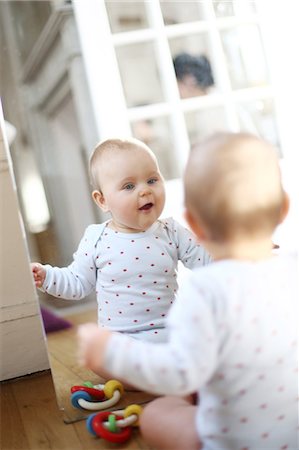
column 193, row 65
column 245, row 56
column 224, row 8
column 30, row 19
column 156, row 133
column 139, row 73
column 258, row 117
column 126, row 15
column 178, row 12
column 204, row 122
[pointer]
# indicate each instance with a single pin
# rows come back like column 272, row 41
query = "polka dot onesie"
column 233, row 336
column 134, row 274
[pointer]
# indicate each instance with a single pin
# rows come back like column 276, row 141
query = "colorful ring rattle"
column 114, row 426
column 96, row 397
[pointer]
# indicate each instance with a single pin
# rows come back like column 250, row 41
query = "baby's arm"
column 75, row 281
column 178, row 367
column 190, row 252
column 39, row 274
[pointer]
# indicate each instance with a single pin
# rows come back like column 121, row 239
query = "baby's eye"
column 152, row 180
column 128, row 187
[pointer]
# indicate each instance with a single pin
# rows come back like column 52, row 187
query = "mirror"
column 46, row 97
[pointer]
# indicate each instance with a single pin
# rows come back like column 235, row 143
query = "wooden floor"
column 33, row 418
column 62, row 349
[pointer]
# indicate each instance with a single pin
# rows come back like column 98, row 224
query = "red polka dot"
column 263, row 406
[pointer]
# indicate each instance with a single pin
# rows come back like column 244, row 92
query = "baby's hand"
column 92, row 342
column 39, row 274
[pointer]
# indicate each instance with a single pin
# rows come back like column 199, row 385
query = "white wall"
column 22, row 343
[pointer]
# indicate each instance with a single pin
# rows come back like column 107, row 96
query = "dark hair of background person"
column 198, row 67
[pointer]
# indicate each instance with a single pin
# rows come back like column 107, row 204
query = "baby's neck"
column 250, row 249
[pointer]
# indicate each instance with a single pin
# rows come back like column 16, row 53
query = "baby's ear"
column 195, row 225
column 100, row 200
column 285, row 207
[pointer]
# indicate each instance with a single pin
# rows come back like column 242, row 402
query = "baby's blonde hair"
column 108, row 147
column 233, row 185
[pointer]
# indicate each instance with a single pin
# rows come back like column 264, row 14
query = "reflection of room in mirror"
column 178, row 12
column 259, row 117
column 193, row 64
column 201, row 123
column 140, row 74
column 245, row 56
column 156, row 133
column 126, row 15
column 237, row 8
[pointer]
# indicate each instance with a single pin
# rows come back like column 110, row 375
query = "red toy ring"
column 97, row 394
column 97, row 424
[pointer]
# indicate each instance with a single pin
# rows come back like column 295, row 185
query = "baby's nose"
column 144, row 190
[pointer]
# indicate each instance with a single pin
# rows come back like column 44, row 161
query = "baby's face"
column 133, row 189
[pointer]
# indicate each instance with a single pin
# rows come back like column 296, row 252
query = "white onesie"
column 134, row 274
column 233, row 338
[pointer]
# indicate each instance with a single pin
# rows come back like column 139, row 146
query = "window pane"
column 179, row 12
column 193, row 65
column 245, row 56
column 258, row 117
column 140, row 74
column 205, row 122
column 126, row 15
column 224, row 8
column 156, row 133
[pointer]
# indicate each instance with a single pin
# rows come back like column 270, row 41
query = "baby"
column 131, row 260
column 233, row 329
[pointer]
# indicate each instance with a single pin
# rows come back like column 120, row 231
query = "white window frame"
column 111, row 113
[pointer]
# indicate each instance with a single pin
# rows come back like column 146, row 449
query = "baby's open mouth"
column 146, row 207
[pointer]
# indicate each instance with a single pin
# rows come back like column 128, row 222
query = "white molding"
column 45, row 42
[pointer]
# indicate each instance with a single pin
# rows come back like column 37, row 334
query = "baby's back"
column 252, row 397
